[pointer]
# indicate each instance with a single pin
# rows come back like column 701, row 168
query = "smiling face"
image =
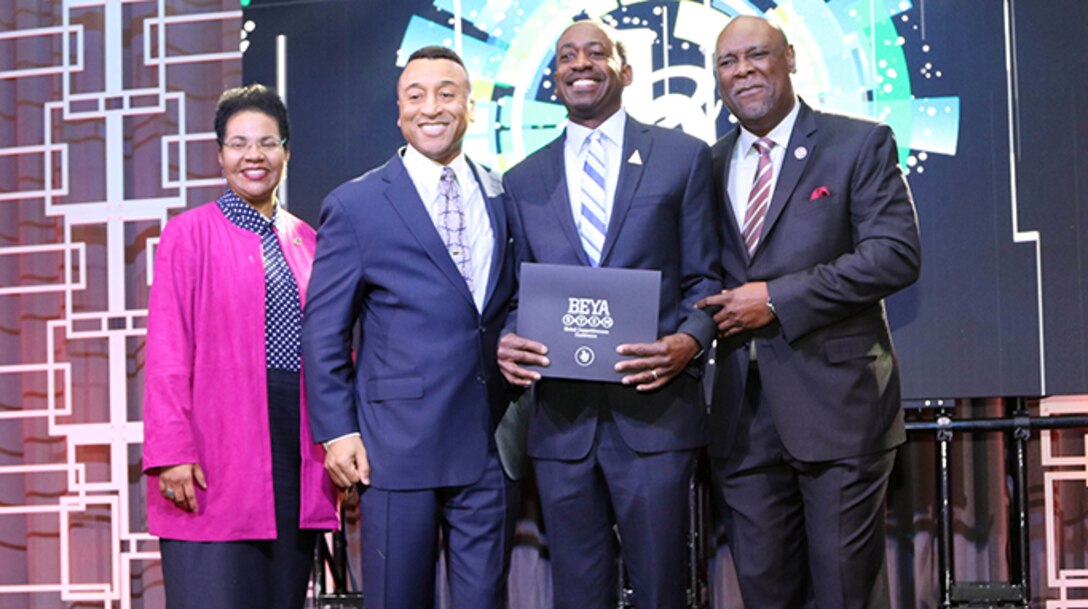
column 754, row 63
column 435, row 107
column 253, row 171
column 589, row 74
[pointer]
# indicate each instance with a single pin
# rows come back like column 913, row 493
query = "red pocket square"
column 817, row 193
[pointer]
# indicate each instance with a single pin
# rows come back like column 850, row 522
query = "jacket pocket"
column 846, row 348
column 645, row 199
column 394, row 388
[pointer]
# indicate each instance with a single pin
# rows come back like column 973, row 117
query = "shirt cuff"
column 328, row 443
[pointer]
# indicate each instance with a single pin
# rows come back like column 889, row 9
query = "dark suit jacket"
column 827, row 365
column 663, row 218
column 424, row 389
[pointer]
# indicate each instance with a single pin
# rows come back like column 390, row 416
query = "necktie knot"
column 763, row 146
column 447, row 182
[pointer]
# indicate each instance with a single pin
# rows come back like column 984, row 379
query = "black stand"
column 702, row 544
column 342, row 594
column 1017, row 425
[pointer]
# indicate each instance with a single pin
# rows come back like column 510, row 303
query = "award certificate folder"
column 582, row 313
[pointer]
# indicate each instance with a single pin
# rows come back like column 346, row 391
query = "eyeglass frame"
column 264, row 144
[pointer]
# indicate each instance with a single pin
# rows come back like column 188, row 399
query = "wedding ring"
column 654, row 373
column 169, row 493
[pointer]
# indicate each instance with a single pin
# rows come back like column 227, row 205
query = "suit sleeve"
column 168, row 401
column 886, row 256
column 333, row 305
column 700, row 249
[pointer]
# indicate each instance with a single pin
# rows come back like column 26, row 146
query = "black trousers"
column 803, row 534
column 261, row 574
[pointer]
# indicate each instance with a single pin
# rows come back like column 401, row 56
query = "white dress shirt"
column 575, row 150
column 745, row 161
column 426, row 175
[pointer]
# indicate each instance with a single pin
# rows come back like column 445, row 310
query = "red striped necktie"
column 759, row 199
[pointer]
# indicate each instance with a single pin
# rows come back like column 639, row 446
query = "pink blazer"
column 205, row 397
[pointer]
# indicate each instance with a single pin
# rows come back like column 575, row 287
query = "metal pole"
column 945, row 565
column 1017, row 471
column 340, row 561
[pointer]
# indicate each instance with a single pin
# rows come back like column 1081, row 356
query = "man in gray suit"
column 819, row 227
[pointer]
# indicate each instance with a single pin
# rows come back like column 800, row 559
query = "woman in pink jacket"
column 236, row 486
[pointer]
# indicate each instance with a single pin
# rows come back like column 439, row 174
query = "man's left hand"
column 742, row 309
column 655, row 364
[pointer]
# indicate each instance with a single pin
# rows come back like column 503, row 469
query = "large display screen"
column 986, row 98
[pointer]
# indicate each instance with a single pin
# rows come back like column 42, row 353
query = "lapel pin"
column 297, row 241
column 800, row 152
column 636, row 158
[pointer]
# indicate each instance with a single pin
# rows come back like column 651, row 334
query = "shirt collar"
column 244, row 215
column 780, row 135
column 428, row 172
column 612, row 130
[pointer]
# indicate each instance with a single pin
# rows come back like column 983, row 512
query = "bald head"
column 754, row 62
column 751, row 23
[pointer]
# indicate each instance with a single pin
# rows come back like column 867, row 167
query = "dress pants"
column 259, row 574
column 644, row 495
column 400, row 538
column 802, row 534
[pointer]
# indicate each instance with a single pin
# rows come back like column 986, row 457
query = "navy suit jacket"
column 840, row 235
column 663, row 218
column 424, row 388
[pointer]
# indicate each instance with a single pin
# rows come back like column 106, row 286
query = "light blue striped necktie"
column 593, row 224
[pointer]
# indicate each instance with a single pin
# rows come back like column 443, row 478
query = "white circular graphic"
column 584, row 356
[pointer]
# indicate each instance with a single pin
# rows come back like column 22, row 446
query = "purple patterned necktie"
column 451, row 224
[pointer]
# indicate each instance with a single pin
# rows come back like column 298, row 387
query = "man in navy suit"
column 417, row 253
column 819, row 227
column 613, row 192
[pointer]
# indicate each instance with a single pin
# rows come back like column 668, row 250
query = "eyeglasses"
column 265, row 144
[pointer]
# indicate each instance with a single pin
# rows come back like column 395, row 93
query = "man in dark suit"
column 609, row 453
column 819, row 227
column 417, row 253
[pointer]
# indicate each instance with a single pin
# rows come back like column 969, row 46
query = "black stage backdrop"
column 1000, row 308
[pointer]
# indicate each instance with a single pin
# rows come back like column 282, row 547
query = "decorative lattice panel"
column 107, row 112
column 1064, row 458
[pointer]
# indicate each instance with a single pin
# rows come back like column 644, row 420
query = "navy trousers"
column 401, row 531
column 644, row 495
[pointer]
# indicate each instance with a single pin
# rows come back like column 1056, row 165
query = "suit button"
column 480, row 379
column 482, row 330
